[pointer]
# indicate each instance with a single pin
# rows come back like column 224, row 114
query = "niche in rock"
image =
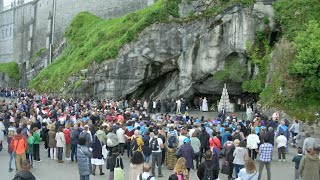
column 234, row 69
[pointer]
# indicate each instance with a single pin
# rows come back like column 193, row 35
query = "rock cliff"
column 176, row 59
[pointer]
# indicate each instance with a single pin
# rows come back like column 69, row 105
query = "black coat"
column 204, row 140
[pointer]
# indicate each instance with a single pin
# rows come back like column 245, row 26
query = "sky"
column 7, row 2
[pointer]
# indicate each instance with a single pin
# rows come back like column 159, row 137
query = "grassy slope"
column 11, row 69
column 91, row 38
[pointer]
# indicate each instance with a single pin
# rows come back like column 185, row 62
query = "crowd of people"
column 153, row 135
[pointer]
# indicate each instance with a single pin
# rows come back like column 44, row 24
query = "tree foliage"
column 294, row 14
column 307, row 61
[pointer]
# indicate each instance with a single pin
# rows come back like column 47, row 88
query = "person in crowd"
column 309, row 142
column 309, row 168
column 296, row 159
column 270, row 135
column 114, row 161
column 156, row 145
column 129, row 131
column 265, row 157
column 210, row 165
column 181, row 170
column 172, row 143
column 229, row 148
column 87, row 135
column 52, row 143
column 146, row 175
column 181, row 138
column 19, row 146
column 239, row 154
column 252, row 144
column 204, row 140
column 30, row 149
column 121, row 138
column 281, row 144
column 83, row 159
column 36, row 144
column 61, row 143
column 67, row 133
column 225, row 136
column 294, row 129
column 237, row 134
column 136, row 142
column 146, row 149
column 11, row 134
column 195, row 144
column 74, row 137
column 2, row 130
column 282, row 128
column 97, row 158
column 214, row 142
column 249, row 172
column 101, row 135
column 136, row 165
column 113, row 141
column 24, row 173
column 300, row 137
column 188, row 153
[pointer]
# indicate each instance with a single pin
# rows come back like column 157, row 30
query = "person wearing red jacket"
column 19, row 146
column 214, row 141
column 66, row 133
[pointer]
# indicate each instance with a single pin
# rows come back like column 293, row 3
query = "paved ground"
column 51, row 170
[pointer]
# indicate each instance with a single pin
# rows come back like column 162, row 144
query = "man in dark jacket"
column 74, row 136
column 211, row 165
column 25, row 173
column 204, row 141
column 270, row 135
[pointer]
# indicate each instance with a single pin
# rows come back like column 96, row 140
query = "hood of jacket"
column 312, row 158
column 18, row 136
column 25, row 174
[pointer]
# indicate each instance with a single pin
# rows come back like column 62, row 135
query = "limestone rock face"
column 6, row 81
column 176, row 59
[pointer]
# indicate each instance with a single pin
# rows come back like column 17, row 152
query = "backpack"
column 237, row 136
column 172, row 141
column 72, row 134
column 134, row 144
column 154, row 144
column 140, row 177
column 208, row 173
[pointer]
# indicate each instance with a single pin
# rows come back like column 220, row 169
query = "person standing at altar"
column 200, row 103
column 204, row 105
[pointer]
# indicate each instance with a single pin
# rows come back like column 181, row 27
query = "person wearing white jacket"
column 252, row 144
column 61, row 143
column 281, row 144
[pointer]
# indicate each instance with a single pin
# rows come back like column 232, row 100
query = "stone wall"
column 6, row 36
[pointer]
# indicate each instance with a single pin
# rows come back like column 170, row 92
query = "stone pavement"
column 51, row 170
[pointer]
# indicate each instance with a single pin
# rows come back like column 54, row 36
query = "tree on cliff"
column 307, row 62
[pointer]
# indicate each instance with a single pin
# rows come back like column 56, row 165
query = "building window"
column 10, row 31
column 6, row 32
